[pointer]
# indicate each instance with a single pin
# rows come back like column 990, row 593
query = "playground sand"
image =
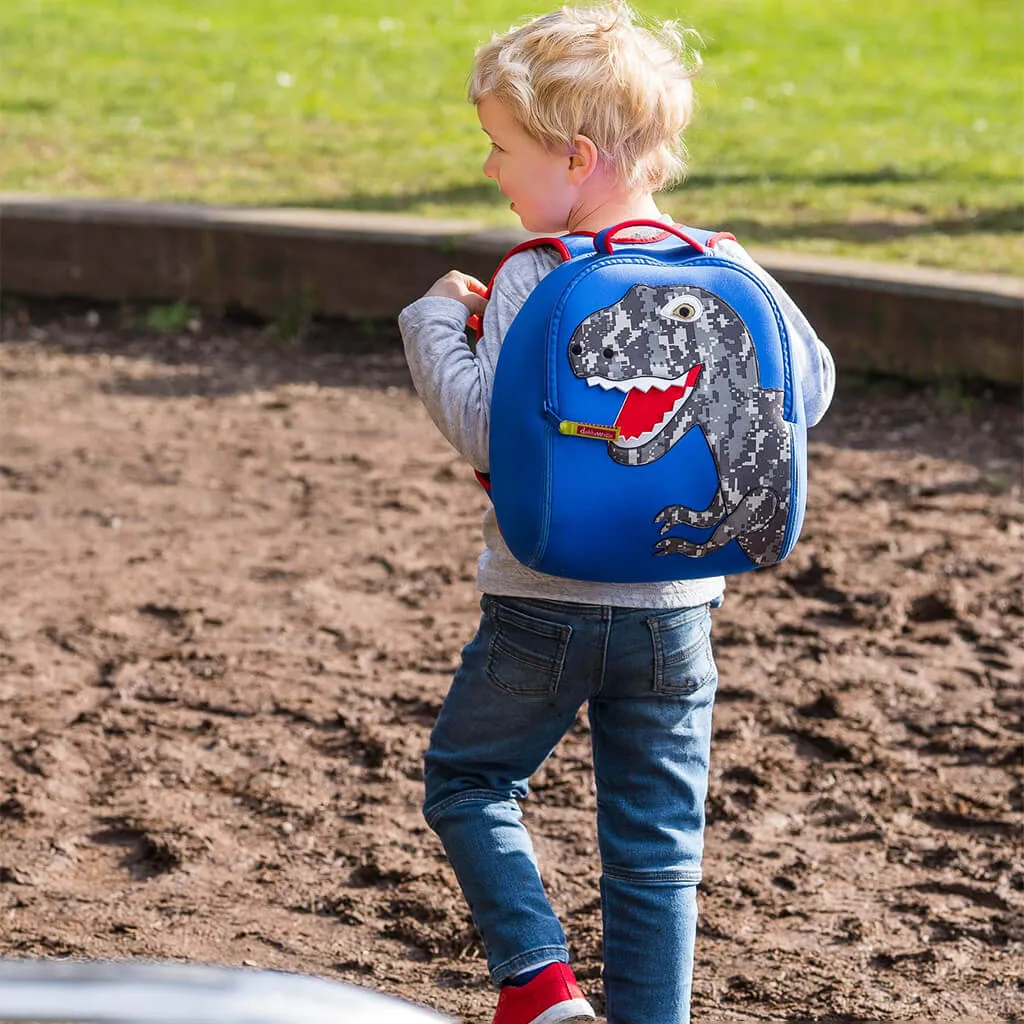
column 236, row 573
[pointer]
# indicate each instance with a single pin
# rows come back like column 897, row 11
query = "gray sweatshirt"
column 455, row 382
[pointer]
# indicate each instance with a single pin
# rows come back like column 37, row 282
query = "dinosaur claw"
column 678, row 546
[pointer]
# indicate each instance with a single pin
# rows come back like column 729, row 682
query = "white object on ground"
column 145, row 992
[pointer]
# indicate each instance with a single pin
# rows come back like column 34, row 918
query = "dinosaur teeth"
column 650, row 434
column 639, row 383
column 643, row 416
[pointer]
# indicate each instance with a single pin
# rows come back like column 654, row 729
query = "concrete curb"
column 290, row 262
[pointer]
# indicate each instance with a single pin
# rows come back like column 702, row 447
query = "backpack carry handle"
column 603, row 241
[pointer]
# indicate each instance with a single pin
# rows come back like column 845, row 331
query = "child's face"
column 534, row 178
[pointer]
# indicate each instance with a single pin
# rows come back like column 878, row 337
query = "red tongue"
column 642, row 411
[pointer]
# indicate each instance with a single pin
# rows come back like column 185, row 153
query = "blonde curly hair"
column 599, row 72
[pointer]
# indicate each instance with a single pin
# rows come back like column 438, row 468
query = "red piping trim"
column 718, row 237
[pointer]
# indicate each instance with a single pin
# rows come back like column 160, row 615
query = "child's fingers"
column 451, row 285
column 475, row 303
column 467, row 289
column 466, row 281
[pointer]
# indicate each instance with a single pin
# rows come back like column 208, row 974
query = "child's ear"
column 583, row 159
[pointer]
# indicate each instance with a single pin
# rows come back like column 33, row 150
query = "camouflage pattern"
column 659, row 333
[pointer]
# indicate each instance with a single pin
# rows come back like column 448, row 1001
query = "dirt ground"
column 236, row 573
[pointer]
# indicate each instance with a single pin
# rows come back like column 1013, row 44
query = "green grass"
column 886, row 129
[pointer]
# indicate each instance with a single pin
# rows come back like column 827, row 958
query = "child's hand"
column 468, row 290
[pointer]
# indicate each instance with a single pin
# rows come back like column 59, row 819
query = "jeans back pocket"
column 526, row 653
column 683, row 659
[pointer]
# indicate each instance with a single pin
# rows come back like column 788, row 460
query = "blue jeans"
column 649, row 678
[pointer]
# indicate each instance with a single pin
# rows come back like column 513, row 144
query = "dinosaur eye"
column 686, row 308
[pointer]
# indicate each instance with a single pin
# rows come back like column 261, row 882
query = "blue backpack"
column 645, row 422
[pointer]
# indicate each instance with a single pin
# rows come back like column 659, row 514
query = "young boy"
column 584, row 109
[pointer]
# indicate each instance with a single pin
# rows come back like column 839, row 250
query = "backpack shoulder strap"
column 567, row 246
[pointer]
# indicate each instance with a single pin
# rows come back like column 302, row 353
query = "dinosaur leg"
column 754, row 512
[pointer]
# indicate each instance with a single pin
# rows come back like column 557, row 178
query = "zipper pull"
column 594, row 430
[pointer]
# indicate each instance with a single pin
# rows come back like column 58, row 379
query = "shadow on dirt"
column 240, row 354
column 208, row 356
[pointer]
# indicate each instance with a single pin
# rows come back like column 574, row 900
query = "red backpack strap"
column 474, row 322
column 531, row 243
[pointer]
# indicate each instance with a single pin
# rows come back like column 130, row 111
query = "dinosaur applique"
column 685, row 359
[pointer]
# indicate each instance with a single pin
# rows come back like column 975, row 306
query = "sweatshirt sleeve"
column 815, row 367
column 454, row 380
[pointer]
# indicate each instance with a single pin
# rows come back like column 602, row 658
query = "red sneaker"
column 553, row 997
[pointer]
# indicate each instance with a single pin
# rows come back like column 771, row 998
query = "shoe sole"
column 579, row 1011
